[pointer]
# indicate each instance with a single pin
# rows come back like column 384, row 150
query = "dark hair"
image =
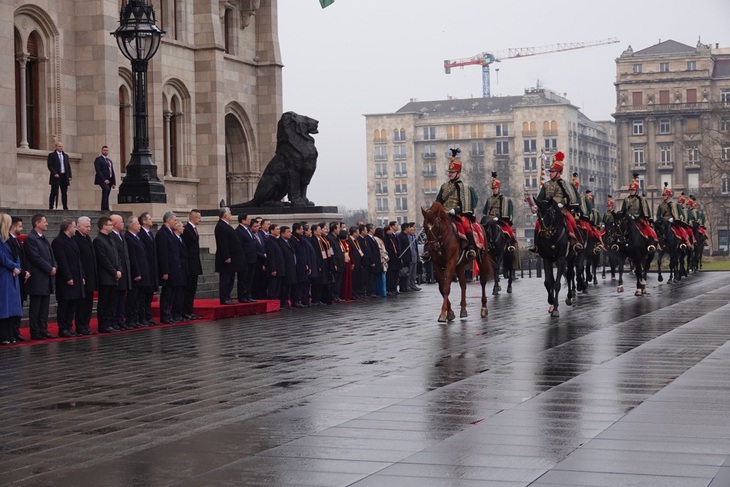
column 334, row 226
column 360, row 228
column 353, row 230
column 322, row 225
column 296, row 226
column 368, row 227
column 142, row 216
column 305, row 226
column 103, row 221
column 379, row 233
column 66, row 223
column 273, row 227
column 15, row 219
column 403, row 226
column 36, row 218
column 242, row 217
column 282, row 228
column 390, row 224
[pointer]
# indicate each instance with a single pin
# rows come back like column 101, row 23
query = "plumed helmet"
column 574, row 180
column 682, row 199
column 495, row 181
column 589, row 195
column 634, row 184
column 690, row 201
column 609, row 201
column 454, row 163
column 666, row 191
column 558, row 162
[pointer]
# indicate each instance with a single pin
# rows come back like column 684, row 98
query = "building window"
column 725, row 184
column 400, row 169
column 28, row 80
column 452, row 132
column 692, row 125
column 399, row 135
column 693, row 155
column 381, row 204
column 638, row 127
column 637, row 98
column 530, row 146
column 638, row 156
column 401, row 186
column 381, row 153
column 399, row 153
column 429, row 133
column 380, row 136
column 477, row 131
column 725, row 97
column 502, row 148
column 725, row 154
column 529, row 129
column 551, row 145
column 477, row 148
column 665, row 154
column 381, row 170
column 169, row 19
column 691, row 95
column 665, row 126
column 663, row 97
column 530, row 164
column 429, row 170
column 663, row 67
column 429, row 152
column 381, row 187
column 501, row 130
column 693, row 182
column 637, row 68
column 401, row 204
column 430, row 186
column 691, row 65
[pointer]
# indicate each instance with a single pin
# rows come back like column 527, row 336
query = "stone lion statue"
column 292, row 167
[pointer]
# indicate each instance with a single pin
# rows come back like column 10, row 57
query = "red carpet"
column 208, row 309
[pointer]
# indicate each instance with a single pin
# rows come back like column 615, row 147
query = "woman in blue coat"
column 10, row 306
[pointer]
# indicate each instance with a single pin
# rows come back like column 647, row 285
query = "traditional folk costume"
column 500, row 209
column 669, row 211
column 563, row 193
column 638, row 208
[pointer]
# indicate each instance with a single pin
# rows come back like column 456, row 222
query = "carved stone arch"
column 126, row 117
column 27, row 20
column 177, row 133
column 241, row 159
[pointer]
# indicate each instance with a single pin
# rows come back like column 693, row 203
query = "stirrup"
column 578, row 247
column 425, row 256
column 651, row 248
column 470, row 254
column 510, row 248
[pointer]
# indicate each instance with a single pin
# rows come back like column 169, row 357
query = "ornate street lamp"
column 139, row 38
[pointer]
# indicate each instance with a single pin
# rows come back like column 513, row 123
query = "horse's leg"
column 620, row 268
column 444, row 282
column 497, row 269
column 461, row 275
column 511, row 263
column 560, row 270
column 483, row 271
column 450, row 271
column 638, row 271
column 659, row 258
column 547, row 267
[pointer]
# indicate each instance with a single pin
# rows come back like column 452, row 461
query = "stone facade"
column 408, row 151
column 673, row 125
column 215, row 98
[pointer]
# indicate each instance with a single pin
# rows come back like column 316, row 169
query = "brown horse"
column 447, row 254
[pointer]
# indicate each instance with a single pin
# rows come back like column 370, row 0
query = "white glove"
column 560, row 205
column 671, row 219
column 452, row 211
column 496, row 219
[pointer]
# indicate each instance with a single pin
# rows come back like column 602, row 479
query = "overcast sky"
column 360, row 57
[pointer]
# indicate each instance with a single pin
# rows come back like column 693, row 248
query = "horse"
column 673, row 247
column 695, row 259
column 446, row 251
column 635, row 247
column 553, row 246
column 612, row 256
column 503, row 252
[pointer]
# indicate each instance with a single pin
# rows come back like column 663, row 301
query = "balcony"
column 399, row 174
column 549, row 133
column 381, row 157
column 692, row 165
column 429, row 155
column 429, row 172
column 430, row 191
column 399, row 157
column 381, row 175
column 638, row 166
column 702, row 106
column 529, row 133
column 666, row 166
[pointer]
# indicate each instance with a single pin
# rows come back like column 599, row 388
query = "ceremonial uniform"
column 637, row 207
column 561, row 192
column 459, row 200
column 669, row 211
column 499, row 208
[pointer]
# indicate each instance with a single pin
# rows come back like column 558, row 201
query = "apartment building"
column 408, row 151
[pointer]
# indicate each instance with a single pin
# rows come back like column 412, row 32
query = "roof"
column 666, row 47
column 477, row 106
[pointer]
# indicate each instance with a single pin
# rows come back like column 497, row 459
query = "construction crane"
column 484, row 59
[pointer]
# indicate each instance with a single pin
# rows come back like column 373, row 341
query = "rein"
column 433, row 242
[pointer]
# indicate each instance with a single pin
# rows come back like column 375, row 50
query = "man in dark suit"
column 394, row 265
column 85, row 305
column 42, row 267
column 109, row 272
column 338, row 261
column 191, row 239
column 300, row 288
column 139, row 269
column 60, row 177
column 168, row 264
column 178, row 303
column 229, row 256
column 69, row 277
column 356, row 256
column 289, row 279
column 125, row 283
column 105, row 176
column 145, row 235
column 274, row 265
column 16, row 229
column 250, row 255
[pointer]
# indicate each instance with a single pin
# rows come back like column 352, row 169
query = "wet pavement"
column 618, row 391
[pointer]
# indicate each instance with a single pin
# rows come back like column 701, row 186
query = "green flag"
column 326, row 3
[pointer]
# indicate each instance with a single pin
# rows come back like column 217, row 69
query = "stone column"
column 22, row 62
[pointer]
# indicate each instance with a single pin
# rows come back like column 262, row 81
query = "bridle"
column 432, row 242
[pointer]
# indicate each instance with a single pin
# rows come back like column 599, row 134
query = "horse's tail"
column 486, row 263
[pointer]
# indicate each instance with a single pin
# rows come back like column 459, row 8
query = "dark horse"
column 695, row 258
column 673, row 247
column 635, row 247
column 612, row 256
column 553, row 245
column 502, row 251
column 446, row 251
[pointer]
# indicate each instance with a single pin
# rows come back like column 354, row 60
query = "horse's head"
column 433, row 216
column 548, row 212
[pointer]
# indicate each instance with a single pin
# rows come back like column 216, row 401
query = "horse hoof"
column 442, row 319
column 509, row 289
column 660, row 278
column 494, row 292
column 463, row 314
column 644, row 292
column 551, row 309
column 620, row 289
column 450, row 316
column 638, row 292
column 483, row 313
column 603, row 277
column 555, row 314
column 568, row 301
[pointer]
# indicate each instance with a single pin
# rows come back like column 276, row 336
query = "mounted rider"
column 671, row 212
column 585, row 210
column 608, row 216
column 701, row 219
column 500, row 209
column 459, row 200
column 637, row 207
column 684, row 218
column 564, row 194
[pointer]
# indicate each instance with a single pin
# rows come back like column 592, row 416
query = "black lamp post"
column 139, row 38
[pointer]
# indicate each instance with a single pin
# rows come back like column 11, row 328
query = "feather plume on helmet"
column 495, row 181
column 666, row 191
column 454, row 163
column 634, row 184
column 558, row 162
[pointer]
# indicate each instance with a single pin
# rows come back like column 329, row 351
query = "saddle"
column 476, row 230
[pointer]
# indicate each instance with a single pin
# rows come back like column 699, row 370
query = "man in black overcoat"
column 338, row 261
column 42, row 267
column 139, row 269
column 356, row 255
column 250, row 254
column 69, row 277
column 168, row 264
column 148, row 239
column 191, row 238
column 300, row 288
column 109, row 272
column 289, row 279
column 229, row 256
column 125, row 283
column 60, row 176
column 394, row 265
column 274, row 264
column 85, row 305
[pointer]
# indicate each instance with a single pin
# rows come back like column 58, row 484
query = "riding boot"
column 471, row 248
